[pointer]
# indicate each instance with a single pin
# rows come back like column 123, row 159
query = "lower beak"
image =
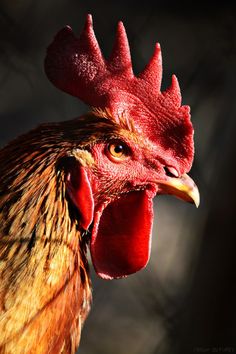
column 183, row 188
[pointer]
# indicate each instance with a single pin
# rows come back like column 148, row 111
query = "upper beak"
column 182, row 187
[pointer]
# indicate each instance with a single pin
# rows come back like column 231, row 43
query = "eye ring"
column 117, row 151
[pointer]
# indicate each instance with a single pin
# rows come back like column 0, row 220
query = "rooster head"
column 147, row 148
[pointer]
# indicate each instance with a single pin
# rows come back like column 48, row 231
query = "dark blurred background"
column 185, row 300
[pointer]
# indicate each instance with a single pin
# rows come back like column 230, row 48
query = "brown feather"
column 45, row 290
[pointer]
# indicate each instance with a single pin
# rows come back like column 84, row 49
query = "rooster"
column 87, row 181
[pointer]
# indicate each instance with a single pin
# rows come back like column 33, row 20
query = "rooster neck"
column 43, row 268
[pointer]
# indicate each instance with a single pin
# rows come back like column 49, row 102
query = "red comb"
column 77, row 66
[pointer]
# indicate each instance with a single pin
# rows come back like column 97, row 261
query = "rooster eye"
column 117, row 151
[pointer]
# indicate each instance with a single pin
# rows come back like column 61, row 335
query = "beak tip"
column 197, row 203
column 195, row 196
column 183, row 188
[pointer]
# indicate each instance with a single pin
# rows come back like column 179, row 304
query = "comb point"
column 120, row 59
column 152, row 73
column 173, row 91
column 121, row 27
column 121, row 38
column 89, row 21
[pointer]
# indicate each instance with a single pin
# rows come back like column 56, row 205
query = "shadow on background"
column 184, row 301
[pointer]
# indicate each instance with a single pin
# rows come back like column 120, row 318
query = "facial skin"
column 123, row 165
column 114, row 193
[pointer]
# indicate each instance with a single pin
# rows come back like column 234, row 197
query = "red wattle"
column 121, row 237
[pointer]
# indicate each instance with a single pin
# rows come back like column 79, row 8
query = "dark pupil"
column 118, row 149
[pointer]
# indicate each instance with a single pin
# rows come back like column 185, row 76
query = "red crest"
column 77, row 66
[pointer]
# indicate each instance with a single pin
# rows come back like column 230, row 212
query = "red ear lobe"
column 80, row 192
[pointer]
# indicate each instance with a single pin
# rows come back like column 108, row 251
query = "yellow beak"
column 183, row 188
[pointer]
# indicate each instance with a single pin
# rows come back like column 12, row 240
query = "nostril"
column 171, row 171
